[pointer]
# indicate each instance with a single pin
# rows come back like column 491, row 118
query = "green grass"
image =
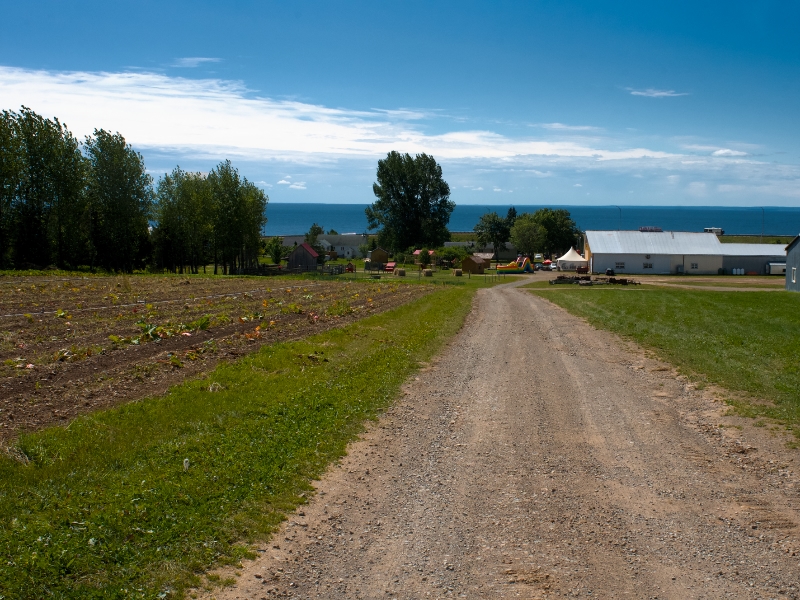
column 743, row 341
column 106, row 509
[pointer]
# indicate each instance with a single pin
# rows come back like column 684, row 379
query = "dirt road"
column 539, row 457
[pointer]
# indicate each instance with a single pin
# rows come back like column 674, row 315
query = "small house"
column 378, row 256
column 303, row 258
column 473, row 264
column 793, row 265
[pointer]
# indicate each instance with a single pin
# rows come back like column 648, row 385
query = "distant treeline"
column 75, row 204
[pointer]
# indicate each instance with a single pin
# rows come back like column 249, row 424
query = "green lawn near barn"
column 742, row 341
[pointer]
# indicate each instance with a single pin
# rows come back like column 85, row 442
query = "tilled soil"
column 539, row 457
column 55, row 366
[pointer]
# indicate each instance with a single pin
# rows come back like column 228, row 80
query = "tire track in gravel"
column 538, row 457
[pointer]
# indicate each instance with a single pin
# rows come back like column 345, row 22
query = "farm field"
column 137, row 500
column 72, row 345
column 744, row 342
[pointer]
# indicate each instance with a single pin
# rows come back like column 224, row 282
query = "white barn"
column 653, row 252
column 673, row 252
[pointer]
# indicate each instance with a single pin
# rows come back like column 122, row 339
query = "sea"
column 296, row 218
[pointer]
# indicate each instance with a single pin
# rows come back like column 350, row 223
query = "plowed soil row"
column 59, row 358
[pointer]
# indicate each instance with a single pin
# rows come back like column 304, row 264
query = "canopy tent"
column 571, row 261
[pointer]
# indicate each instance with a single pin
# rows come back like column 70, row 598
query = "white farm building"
column 674, row 252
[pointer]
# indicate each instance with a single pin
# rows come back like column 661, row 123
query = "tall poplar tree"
column 120, row 195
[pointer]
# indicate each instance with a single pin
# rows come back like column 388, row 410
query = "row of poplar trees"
column 74, row 204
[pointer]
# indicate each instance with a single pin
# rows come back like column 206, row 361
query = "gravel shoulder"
column 539, row 457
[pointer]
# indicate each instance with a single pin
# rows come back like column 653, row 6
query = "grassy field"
column 140, row 500
column 743, row 341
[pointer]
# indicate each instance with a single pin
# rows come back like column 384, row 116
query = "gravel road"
column 538, row 457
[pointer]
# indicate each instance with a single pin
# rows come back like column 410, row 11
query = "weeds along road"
column 539, row 457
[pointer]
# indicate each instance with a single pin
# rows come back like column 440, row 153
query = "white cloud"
column 497, row 189
column 654, row 93
column 577, row 185
column 194, row 61
column 728, row 152
column 477, row 189
column 563, row 127
column 184, row 120
column 298, row 185
column 210, row 118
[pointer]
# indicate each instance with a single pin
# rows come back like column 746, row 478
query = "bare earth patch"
column 539, row 457
column 73, row 346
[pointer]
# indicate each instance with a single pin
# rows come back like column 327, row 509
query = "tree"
column 527, row 235
column 559, row 230
column 10, row 176
column 333, row 232
column 121, row 195
column 313, row 233
column 43, row 199
column 511, row 217
column 424, row 257
column 492, row 229
column 274, row 249
column 184, row 215
column 238, row 216
column 413, row 203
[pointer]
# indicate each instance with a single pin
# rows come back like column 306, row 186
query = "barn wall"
column 793, row 262
column 750, row 263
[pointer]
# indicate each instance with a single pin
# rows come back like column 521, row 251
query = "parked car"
column 610, row 272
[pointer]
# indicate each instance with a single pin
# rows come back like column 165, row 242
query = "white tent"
column 571, row 261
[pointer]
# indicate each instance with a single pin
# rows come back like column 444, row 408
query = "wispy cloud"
column 728, row 152
column 654, row 93
column 212, row 117
column 578, row 185
column 563, row 127
column 191, row 62
column 179, row 118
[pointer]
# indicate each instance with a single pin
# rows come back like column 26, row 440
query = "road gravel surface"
column 538, row 457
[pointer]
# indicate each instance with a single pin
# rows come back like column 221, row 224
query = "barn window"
column 694, row 266
column 794, row 274
column 619, row 265
column 647, row 265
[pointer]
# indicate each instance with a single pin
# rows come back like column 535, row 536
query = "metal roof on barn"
column 752, row 250
column 653, row 242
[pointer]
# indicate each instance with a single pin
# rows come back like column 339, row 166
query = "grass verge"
column 136, row 502
column 742, row 341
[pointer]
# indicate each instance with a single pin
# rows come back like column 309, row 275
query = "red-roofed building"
column 303, row 258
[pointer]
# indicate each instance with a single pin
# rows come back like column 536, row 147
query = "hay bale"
column 427, row 273
column 458, row 272
column 400, row 272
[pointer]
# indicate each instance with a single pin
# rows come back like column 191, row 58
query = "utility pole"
column 620, row 216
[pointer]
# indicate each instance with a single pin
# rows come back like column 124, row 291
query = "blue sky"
column 662, row 103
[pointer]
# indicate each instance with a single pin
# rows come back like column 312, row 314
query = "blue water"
column 295, row 219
